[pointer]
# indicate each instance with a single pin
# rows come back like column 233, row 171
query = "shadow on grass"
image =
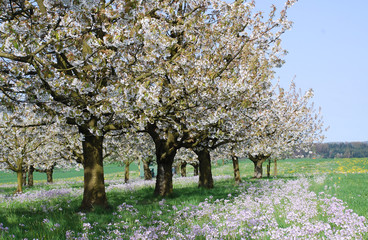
column 51, row 220
column 192, row 194
column 40, row 221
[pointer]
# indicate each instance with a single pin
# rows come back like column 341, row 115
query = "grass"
column 347, row 179
column 32, row 221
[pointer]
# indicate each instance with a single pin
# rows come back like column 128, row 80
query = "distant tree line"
column 336, row 150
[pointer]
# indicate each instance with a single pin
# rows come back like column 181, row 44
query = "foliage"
column 190, row 73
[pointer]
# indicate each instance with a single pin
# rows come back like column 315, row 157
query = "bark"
column 94, row 186
column 166, row 149
column 258, row 161
column 30, row 175
column 275, row 168
column 269, row 168
column 19, row 182
column 237, row 177
column 126, row 172
column 24, row 176
column 183, row 169
column 205, row 173
column 195, row 168
column 165, row 159
column 164, row 176
column 49, row 173
column 147, row 170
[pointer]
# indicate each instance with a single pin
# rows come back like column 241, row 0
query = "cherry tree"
column 59, row 152
column 79, row 62
column 168, row 67
column 22, row 142
column 183, row 158
column 228, row 54
column 289, row 124
column 128, row 148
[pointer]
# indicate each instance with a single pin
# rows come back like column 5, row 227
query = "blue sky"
column 328, row 50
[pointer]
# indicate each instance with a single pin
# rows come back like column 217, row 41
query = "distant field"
column 284, row 168
column 111, row 170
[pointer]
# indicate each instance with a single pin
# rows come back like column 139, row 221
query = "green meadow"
column 58, row 218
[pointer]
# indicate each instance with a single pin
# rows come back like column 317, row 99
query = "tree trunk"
column 275, row 168
column 166, row 149
column 19, row 181
column 24, row 176
column 164, row 176
column 236, row 169
column 269, row 168
column 258, row 161
column 94, row 186
column 126, row 172
column 49, row 173
column 196, row 169
column 205, row 173
column 30, row 175
column 147, row 171
column 183, row 169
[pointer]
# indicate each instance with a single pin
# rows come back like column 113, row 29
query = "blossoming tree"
column 78, row 61
column 168, row 67
column 128, row 148
column 218, row 52
column 289, row 124
column 24, row 144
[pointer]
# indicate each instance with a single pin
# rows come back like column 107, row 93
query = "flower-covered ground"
column 266, row 209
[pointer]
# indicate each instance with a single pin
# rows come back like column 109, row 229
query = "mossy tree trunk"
column 258, row 161
column 146, row 169
column 31, row 169
column 166, row 149
column 205, row 172
column 237, row 177
column 19, row 181
column 24, row 176
column 183, row 169
column 275, row 167
column 94, row 186
column 49, row 173
column 165, row 159
column 195, row 168
column 269, row 168
column 126, row 171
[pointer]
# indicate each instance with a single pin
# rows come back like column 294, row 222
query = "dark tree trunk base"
column 94, row 194
column 183, row 169
column 164, row 186
column 205, row 172
column 146, row 169
column 30, row 175
column 258, row 161
column 237, row 177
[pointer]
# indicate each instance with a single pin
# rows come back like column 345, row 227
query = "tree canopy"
column 194, row 74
